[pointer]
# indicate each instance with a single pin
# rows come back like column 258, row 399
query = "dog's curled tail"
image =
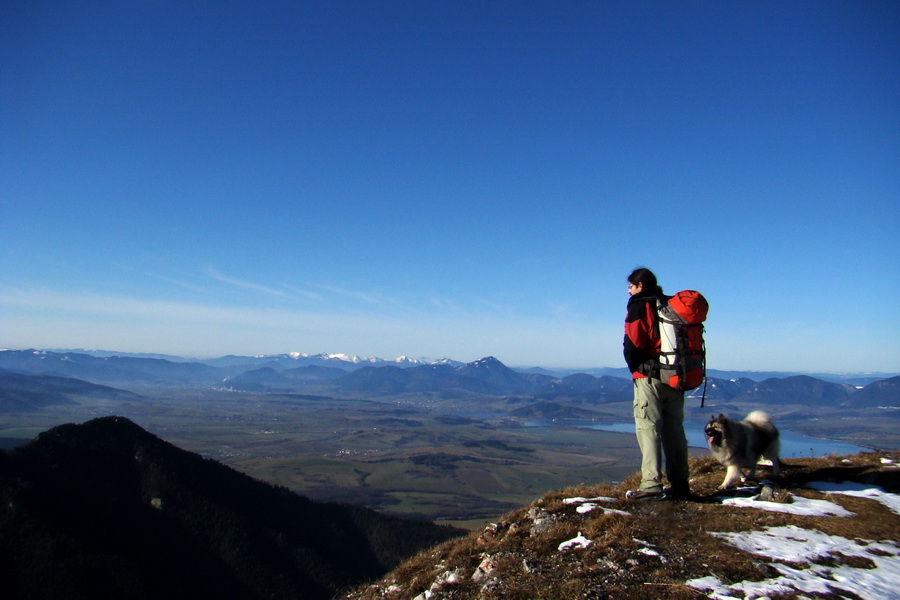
column 759, row 417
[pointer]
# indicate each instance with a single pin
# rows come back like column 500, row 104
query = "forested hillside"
column 108, row 510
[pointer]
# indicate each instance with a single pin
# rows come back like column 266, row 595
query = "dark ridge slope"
column 106, row 509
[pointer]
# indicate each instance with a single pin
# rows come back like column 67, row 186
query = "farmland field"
column 459, row 461
column 417, row 459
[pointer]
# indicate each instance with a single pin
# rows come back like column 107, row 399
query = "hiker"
column 658, row 408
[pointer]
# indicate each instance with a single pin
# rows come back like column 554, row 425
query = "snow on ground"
column 649, row 549
column 806, row 561
column 589, row 506
column 850, row 488
column 578, row 541
column 794, row 544
column 580, row 500
column 797, row 545
column 586, row 505
column 798, row 506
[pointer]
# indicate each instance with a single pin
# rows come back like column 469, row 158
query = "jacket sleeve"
column 638, row 344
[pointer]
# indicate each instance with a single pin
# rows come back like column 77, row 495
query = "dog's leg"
column 732, row 475
column 751, row 473
column 776, row 464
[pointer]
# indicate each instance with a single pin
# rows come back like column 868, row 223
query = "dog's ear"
column 722, row 418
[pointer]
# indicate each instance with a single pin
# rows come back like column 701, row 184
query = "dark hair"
column 646, row 277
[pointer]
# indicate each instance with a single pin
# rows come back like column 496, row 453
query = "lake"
column 793, row 445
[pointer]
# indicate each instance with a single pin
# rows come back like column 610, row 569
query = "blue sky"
column 450, row 179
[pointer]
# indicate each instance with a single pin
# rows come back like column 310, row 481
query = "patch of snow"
column 651, row 552
column 586, row 505
column 350, row 358
column 579, row 500
column 579, row 541
column 860, row 490
column 589, row 506
column 792, row 544
column 648, row 550
column 800, row 506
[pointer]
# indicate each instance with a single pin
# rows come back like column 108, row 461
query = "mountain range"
column 29, row 393
column 282, row 375
column 349, row 362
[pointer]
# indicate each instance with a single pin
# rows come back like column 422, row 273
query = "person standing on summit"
column 658, row 408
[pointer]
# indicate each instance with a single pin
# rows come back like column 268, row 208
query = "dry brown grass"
column 648, row 553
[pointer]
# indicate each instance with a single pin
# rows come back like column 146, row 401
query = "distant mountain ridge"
column 28, row 393
column 288, row 374
column 112, row 369
column 348, row 361
column 352, row 362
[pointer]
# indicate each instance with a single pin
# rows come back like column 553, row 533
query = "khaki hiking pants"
column 659, row 426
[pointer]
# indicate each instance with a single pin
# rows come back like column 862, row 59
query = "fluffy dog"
column 739, row 445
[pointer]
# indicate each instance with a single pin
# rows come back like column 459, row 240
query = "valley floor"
column 461, row 461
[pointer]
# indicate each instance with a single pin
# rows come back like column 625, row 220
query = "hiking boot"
column 643, row 494
column 679, row 491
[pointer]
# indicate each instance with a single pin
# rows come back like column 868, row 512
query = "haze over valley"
column 443, row 440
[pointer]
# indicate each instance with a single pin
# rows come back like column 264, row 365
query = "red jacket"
column 641, row 344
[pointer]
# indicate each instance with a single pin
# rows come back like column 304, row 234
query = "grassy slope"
column 527, row 563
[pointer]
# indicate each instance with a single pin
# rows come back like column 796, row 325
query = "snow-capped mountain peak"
column 340, row 359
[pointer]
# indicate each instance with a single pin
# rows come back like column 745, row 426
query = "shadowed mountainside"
column 106, row 509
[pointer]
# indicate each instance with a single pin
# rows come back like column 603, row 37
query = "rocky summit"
column 828, row 528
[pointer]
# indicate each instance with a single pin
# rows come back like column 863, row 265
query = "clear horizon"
column 433, row 358
column 461, row 180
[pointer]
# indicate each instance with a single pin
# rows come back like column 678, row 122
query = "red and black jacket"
column 641, row 345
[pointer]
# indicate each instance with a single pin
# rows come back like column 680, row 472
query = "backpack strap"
column 650, row 367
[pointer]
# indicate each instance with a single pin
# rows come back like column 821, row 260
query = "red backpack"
column 682, row 357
